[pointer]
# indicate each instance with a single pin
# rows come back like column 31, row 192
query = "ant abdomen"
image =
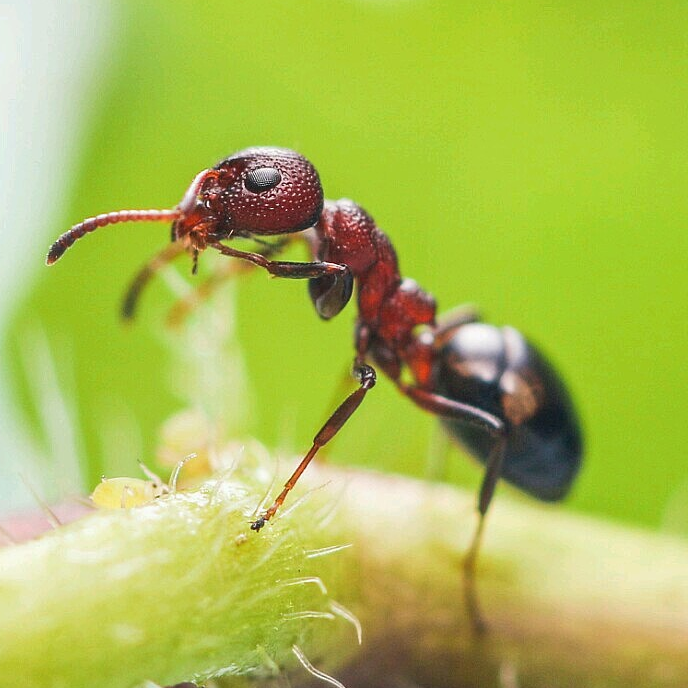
column 496, row 369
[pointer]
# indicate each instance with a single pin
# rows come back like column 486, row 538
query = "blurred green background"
column 526, row 156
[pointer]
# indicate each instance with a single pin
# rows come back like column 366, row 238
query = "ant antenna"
column 90, row 224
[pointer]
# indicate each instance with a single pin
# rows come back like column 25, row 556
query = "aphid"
column 123, row 493
column 495, row 392
column 127, row 493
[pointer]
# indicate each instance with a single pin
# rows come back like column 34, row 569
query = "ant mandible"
column 495, row 392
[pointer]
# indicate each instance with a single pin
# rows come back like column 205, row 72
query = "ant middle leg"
column 366, row 378
column 343, row 388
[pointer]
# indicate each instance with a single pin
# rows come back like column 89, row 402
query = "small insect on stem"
column 496, row 394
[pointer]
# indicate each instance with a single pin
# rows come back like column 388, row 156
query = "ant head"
column 255, row 191
column 265, row 191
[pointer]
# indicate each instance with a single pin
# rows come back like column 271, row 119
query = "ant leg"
column 439, row 448
column 330, row 285
column 449, row 408
column 493, row 468
column 366, row 378
column 342, row 389
column 362, row 341
column 225, row 271
column 282, row 268
column 188, row 303
column 131, row 296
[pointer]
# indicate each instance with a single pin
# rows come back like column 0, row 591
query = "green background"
column 529, row 157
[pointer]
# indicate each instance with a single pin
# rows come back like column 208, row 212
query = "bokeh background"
column 530, row 157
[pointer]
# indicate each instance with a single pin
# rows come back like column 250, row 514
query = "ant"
column 496, row 394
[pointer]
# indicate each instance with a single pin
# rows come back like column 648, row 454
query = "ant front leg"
column 457, row 410
column 283, row 268
column 366, row 378
column 330, row 286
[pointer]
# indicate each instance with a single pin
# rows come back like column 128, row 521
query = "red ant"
column 496, row 393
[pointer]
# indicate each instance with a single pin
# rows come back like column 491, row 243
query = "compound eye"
column 262, row 179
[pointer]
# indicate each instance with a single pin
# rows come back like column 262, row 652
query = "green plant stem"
column 181, row 589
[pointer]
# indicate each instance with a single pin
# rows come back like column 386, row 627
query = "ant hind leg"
column 493, row 469
column 450, row 408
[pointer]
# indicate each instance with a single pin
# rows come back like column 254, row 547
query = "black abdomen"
column 498, row 371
